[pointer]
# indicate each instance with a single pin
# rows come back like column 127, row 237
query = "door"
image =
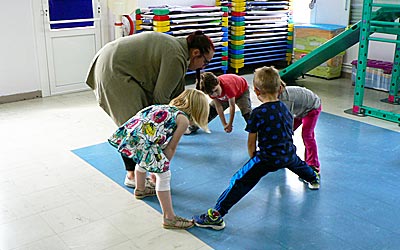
column 73, row 36
column 330, row 11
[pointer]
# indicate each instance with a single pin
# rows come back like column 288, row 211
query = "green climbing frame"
column 376, row 18
column 369, row 26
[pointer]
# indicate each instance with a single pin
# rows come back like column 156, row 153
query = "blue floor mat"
column 357, row 207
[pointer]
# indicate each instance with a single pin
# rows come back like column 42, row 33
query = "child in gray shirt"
column 305, row 107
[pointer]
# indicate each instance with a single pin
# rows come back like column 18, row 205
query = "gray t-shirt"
column 299, row 100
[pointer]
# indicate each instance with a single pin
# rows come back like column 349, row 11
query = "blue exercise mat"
column 357, row 206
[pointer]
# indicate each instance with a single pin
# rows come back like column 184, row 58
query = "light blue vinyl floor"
column 357, row 207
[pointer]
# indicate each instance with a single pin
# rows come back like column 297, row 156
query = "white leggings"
column 163, row 180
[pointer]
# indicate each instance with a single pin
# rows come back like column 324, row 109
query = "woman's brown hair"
column 198, row 40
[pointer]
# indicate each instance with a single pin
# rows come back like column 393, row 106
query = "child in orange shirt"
column 225, row 91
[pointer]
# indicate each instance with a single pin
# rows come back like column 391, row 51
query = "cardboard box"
column 328, row 70
column 336, row 61
column 308, row 37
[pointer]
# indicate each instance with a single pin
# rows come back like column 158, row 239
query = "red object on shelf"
column 161, row 18
column 238, row 13
column 131, row 24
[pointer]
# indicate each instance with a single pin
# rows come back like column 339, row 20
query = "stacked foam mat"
column 260, row 31
column 181, row 21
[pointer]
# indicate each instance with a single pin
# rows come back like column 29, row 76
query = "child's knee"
column 140, row 169
column 163, row 181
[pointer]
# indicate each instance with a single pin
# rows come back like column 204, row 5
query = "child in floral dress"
column 150, row 139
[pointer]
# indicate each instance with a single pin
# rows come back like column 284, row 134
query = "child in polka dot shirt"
column 270, row 147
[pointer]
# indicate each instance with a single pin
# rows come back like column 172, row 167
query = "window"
column 61, row 10
column 357, row 6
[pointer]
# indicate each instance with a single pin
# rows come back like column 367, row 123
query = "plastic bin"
column 377, row 76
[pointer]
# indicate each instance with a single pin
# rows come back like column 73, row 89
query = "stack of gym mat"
column 181, row 21
column 260, row 31
column 308, row 37
column 237, row 32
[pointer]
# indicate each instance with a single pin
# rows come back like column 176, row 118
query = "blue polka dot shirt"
column 273, row 124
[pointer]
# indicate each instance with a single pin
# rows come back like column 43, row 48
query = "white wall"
column 19, row 72
column 22, row 43
column 331, row 12
column 376, row 50
column 301, row 11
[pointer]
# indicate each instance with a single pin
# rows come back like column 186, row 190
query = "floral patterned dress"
column 144, row 137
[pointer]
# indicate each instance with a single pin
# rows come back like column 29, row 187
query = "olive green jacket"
column 136, row 71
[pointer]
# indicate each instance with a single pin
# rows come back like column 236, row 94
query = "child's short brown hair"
column 267, row 80
column 208, row 81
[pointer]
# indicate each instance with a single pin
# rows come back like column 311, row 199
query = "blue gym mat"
column 357, row 207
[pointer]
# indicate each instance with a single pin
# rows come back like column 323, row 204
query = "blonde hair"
column 195, row 104
column 267, row 80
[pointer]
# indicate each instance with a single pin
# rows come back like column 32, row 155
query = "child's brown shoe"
column 148, row 191
column 178, row 223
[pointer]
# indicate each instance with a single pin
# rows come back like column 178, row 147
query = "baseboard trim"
column 20, row 97
column 347, row 68
column 346, row 75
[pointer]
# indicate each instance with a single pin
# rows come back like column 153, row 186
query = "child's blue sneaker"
column 314, row 185
column 210, row 219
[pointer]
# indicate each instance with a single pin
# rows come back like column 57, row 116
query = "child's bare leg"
column 141, row 191
column 130, row 175
column 140, row 178
column 153, row 178
column 166, row 204
column 163, row 190
column 170, row 220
